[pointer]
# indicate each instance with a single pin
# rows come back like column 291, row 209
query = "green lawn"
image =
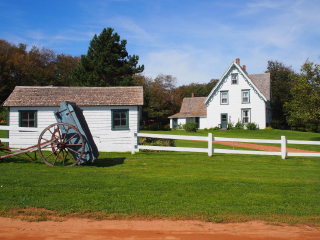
column 174, row 185
column 255, row 134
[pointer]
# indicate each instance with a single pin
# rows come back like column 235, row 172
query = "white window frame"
column 234, row 78
column 243, row 92
column 246, row 115
column 224, row 97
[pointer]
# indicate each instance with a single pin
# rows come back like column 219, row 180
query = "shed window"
column 120, row 119
column 28, row 118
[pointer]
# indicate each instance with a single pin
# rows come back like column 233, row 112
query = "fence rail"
column 22, row 129
column 283, row 142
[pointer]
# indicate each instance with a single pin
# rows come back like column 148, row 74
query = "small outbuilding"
column 112, row 113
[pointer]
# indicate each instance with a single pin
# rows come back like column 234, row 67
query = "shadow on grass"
column 20, row 159
column 315, row 139
column 108, row 162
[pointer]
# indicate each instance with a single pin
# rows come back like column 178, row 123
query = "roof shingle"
column 263, row 83
column 192, row 107
column 82, row 96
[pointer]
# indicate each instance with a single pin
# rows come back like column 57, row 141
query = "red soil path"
column 79, row 229
column 84, row 229
column 262, row 147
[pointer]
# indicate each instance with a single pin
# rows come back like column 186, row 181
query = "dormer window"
column 234, row 78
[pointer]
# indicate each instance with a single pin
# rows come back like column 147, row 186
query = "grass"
column 222, row 188
column 172, row 185
column 254, row 134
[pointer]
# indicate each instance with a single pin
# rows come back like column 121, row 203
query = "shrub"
column 191, row 127
column 167, row 127
column 251, row 126
column 238, row 126
column 157, row 142
column 214, row 129
column 269, row 128
column 230, row 126
column 312, row 127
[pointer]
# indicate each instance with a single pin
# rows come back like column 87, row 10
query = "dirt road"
column 84, row 229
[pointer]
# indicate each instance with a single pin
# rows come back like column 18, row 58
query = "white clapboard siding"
column 97, row 117
column 234, row 106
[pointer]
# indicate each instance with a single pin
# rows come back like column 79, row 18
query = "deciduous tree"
column 37, row 67
column 303, row 111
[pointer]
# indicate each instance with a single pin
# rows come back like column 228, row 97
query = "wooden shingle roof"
column 82, row 96
column 263, row 82
column 192, row 107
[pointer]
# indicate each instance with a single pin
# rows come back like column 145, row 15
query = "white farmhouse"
column 237, row 97
column 112, row 113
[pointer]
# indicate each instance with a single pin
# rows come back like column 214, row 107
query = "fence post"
column 283, row 147
column 210, row 144
column 133, row 143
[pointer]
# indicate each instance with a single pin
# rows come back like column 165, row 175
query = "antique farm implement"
column 67, row 142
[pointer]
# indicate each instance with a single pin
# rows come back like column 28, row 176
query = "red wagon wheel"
column 65, row 143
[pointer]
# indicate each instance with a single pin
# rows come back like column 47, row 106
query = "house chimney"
column 238, row 61
column 244, row 67
column 192, row 95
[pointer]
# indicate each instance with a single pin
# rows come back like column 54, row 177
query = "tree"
column 199, row 90
column 63, row 67
column 303, row 111
column 160, row 99
column 38, row 67
column 107, row 63
column 281, row 83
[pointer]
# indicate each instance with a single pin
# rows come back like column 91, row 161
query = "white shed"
column 112, row 113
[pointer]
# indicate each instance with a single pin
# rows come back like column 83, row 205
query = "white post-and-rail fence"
column 211, row 139
column 25, row 129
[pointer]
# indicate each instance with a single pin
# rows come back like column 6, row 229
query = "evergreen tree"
column 107, row 63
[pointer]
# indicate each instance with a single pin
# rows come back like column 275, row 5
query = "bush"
column 251, row 126
column 238, row 126
column 167, row 127
column 312, row 127
column 191, row 127
column 157, row 142
column 230, row 126
column 214, row 129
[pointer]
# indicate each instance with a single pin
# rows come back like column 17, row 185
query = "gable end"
column 224, row 78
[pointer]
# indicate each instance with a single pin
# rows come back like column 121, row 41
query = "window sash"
column 120, row 119
column 245, row 116
column 27, row 118
column 234, row 78
column 245, row 96
column 224, row 98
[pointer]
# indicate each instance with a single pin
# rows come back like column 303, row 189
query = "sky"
column 192, row 40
